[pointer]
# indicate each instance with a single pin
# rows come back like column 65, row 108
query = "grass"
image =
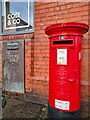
column 44, row 113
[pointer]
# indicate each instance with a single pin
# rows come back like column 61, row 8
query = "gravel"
column 16, row 108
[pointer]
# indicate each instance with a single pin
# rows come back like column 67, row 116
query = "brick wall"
column 37, row 47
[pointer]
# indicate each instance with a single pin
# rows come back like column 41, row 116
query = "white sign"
column 64, row 105
column 62, row 56
column 13, row 18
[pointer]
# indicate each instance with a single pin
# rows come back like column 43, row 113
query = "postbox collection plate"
column 62, row 56
column 13, row 66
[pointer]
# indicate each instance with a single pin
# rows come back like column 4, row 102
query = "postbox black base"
column 53, row 113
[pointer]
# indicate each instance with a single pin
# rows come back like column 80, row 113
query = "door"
column 13, row 66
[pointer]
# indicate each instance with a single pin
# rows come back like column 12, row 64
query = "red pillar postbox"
column 65, row 65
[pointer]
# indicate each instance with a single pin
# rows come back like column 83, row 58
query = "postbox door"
column 64, row 77
column 67, row 78
column 13, row 66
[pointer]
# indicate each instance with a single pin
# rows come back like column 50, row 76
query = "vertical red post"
column 65, row 65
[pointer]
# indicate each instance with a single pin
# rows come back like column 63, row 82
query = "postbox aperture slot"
column 64, row 42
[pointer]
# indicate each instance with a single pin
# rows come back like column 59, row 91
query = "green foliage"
column 6, row 96
column 43, row 114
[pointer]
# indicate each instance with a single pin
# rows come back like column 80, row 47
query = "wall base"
column 52, row 113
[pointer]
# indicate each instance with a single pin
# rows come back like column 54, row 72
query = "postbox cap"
column 67, row 28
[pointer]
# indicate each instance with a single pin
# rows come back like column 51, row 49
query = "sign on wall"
column 16, row 14
column 13, row 66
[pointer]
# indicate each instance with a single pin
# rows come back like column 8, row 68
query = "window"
column 16, row 16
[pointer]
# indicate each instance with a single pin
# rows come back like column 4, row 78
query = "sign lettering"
column 13, row 18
